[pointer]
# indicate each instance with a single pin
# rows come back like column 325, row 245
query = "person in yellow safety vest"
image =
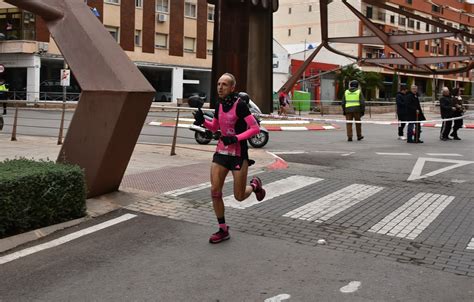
column 353, row 107
column 3, row 95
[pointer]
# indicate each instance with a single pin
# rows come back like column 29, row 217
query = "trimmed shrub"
column 34, row 194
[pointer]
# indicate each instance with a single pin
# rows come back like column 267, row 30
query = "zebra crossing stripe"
column 410, row 219
column 273, row 189
column 470, row 246
column 330, row 205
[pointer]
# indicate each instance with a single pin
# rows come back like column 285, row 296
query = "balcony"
column 22, row 46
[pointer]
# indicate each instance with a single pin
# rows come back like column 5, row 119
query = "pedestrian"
column 284, row 103
column 457, row 124
column 401, row 110
column 236, row 124
column 447, row 109
column 353, row 107
column 414, row 113
column 3, row 95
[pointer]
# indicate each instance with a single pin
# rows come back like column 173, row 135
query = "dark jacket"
column 412, row 105
column 360, row 108
column 459, row 108
column 446, row 106
column 401, row 106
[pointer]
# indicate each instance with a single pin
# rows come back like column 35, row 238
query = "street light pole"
column 304, row 72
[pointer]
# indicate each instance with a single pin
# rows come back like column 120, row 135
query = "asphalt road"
column 156, row 259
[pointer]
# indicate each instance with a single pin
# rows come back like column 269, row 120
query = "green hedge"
column 35, row 194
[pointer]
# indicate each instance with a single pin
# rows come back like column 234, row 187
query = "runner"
column 233, row 118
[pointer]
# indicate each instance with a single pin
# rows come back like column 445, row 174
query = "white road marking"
column 202, row 186
column 294, row 128
column 347, row 154
column 278, row 298
column 273, row 189
column 414, row 216
column 393, row 154
column 65, row 239
column 443, row 154
column 283, row 122
column 470, row 246
column 289, row 152
column 351, row 287
column 330, row 205
column 418, row 168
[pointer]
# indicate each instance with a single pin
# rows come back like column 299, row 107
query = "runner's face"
column 224, row 86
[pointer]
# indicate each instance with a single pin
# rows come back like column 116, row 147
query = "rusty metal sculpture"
column 243, row 43
column 394, row 41
column 115, row 96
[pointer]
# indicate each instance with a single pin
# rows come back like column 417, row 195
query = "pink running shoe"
column 220, row 236
column 257, row 185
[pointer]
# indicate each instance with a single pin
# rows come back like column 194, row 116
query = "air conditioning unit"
column 43, row 46
column 161, row 18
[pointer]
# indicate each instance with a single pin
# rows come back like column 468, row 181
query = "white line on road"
column 470, row 246
column 418, row 168
column 64, row 239
column 281, row 297
column 414, row 216
column 274, row 189
column 202, row 186
column 289, row 152
column 295, row 128
column 330, row 205
column 393, row 154
column 351, row 287
column 443, row 154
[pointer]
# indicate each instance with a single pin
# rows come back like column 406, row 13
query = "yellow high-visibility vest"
column 352, row 98
column 3, row 87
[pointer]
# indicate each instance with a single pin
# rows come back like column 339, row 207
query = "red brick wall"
column 176, row 36
column 201, row 43
column 127, row 24
column 148, row 34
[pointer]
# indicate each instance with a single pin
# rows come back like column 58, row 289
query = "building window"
column 189, row 44
column 114, row 31
column 409, row 1
column 309, row 30
column 190, row 10
column 139, row 3
column 402, row 21
column 427, row 27
column 310, row 8
column 289, row 32
column 161, row 41
column 138, row 38
column 211, row 11
column 210, row 46
column 435, row 8
column 369, row 12
column 411, row 23
column 162, row 6
column 418, row 25
column 447, row 49
column 289, row 10
column 392, row 19
column 417, row 46
column 112, row 1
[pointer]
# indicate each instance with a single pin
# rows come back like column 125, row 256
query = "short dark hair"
column 403, row 87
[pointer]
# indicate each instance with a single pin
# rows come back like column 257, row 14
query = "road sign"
column 65, row 77
column 2, row 68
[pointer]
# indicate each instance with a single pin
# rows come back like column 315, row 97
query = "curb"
column 269, row 128
column 278, row 164
column 20, row 239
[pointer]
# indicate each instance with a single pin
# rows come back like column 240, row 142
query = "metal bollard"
column 61, row 126
column 15, row 121
column 173, row 145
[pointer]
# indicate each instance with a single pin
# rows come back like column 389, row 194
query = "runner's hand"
column 198, row 117
column 229, row 140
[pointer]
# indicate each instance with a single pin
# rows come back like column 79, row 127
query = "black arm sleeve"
column 216, row 112
column 242, row 110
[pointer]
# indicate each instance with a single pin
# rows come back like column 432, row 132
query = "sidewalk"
column 151, row 171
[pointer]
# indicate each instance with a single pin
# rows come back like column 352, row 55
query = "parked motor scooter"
column 204, row 136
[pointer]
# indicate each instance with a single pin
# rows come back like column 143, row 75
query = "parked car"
column 161, row 96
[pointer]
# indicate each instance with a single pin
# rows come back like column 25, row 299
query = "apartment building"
column 169, row 40
column 299, row 20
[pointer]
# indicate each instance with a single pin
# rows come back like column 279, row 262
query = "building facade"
column 299, row 21
column 169, row 40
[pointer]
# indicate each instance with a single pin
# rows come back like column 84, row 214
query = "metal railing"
column 42, row 96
